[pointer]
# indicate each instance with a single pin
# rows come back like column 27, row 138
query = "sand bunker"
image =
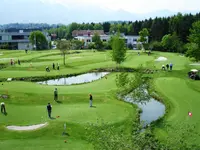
column 196, row 64
column 26, row 128
column 161, row 59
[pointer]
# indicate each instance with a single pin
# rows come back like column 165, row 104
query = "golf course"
column 27, row 100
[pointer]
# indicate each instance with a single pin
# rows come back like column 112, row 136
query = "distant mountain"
column 27, row 11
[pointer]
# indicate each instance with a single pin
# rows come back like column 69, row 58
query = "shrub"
column 156, row 46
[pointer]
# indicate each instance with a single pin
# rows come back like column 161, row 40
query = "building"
column 86, row 37
column 76, row 33
column 18, row 39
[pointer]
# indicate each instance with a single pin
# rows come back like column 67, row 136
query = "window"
column 104, row 40
column 88, row 40
column 134, row 40
column 17, row 37
column 0, row 38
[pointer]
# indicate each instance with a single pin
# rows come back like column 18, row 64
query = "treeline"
column 158, row 27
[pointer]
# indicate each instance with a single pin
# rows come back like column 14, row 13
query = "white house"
column 86, row 37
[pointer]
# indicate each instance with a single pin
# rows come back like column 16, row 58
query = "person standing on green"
column 91, row 100
column 56, row 94
column 49, row 109
column 3, row 108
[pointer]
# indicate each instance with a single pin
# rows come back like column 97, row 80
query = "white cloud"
column 134, row 6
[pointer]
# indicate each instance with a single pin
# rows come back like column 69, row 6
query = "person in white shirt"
column 3, row 108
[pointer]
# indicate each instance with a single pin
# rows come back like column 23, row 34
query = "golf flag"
column 190, row 114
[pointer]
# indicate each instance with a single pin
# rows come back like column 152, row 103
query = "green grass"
column 27, row 102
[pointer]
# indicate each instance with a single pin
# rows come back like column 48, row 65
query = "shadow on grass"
column 5, row 113
column 93, row 106
column 59, row 102
column 52, row 118
column 65, row 133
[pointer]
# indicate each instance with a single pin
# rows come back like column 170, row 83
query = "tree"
column 98, row 26
column 144, row 33
column 38, row 38
column 171, row 43
column 106, row 26
column 64, row 46
column 156, row 46
column 194, row 39
column 118, row 49
column 76, row 44
column 134, row 85
column 97, row 40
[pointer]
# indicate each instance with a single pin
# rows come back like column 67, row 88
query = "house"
column 18, row 39
column 86, row 37
column 76, row 33
column 132, row 40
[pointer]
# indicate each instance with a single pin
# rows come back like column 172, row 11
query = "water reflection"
column 151, row 110
column 84, row 78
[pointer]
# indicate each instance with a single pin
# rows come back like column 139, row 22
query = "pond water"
column 151, row 110
column 84, row 78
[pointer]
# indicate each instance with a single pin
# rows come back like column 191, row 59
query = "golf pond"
column 151, row 110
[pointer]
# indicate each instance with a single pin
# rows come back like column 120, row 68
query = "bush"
column 156, row 46
column 91, row 46
column 106, row 46
column 139, row 46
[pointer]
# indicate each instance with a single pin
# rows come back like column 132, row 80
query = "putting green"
column 76, row 113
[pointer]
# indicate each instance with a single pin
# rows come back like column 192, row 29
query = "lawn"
column 28, row 100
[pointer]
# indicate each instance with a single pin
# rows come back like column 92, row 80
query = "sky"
column 134, row 6
column 67, row 11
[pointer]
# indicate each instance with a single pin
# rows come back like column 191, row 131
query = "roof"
column 86, row 32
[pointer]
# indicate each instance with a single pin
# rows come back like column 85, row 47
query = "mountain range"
column 29, row 11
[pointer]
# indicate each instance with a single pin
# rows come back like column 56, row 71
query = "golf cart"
column 194, row 74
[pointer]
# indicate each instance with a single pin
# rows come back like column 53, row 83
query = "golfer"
column 163, row 67
column 55, row 94
column 167, row 66
column 91, row 100
column 171, row 66
column 53, row 66
column 49, row 109
column 3, row 108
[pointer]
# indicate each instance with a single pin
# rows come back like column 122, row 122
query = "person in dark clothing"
column 53, row 66
column 171, row 66
column 19, row 63
column 167, row 66
column 49, row 109
column 58, row 67
column 3, row 108
column 55, row 94
column 91, row 100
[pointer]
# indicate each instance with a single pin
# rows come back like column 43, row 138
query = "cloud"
column 134, row 6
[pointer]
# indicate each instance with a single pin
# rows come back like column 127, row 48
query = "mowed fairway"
column 183, row 98
column 28, row 100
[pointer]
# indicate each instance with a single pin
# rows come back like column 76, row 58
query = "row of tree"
column 158, row 27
